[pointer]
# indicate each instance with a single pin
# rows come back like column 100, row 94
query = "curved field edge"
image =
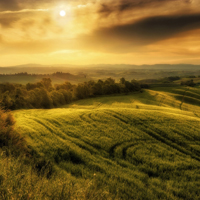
column 142, row 144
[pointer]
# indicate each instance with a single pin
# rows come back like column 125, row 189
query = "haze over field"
column 102, row 31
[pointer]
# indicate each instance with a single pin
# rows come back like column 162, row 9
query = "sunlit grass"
column 139, row 146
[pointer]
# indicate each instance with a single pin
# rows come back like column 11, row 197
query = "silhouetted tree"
column 122, row 80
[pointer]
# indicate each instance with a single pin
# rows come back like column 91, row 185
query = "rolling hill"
column 137, row 146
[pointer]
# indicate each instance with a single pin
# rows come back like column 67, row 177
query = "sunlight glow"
column 62, row 13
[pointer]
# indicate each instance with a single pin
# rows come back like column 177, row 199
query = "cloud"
column 119, row 6
column 16, row 5
column 81, row 6
column 24, row 11
column 7, row 22
column 9, row 5
column 140, row 33
column 20, row 27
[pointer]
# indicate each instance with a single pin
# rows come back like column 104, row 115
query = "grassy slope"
column 143, row 145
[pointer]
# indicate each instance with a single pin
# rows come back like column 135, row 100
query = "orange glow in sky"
column 99, row 32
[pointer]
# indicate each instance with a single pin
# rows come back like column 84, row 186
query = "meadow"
column 136, row 146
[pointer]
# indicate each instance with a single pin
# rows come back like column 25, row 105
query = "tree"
column 109, row 81
column 46, row 99
column 47, row 83
column 136, row 85
column 67, row 95
column 57, row 98
column 122, row 80
column 81, row 91
column 97, row 89
column 7, row 102
column 188, row 83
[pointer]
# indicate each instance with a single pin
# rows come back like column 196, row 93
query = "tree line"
column 44, row 95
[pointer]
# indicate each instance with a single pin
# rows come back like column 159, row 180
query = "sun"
column 62, row 13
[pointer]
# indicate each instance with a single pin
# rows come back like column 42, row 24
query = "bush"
column 188, row 83
column 10, row 140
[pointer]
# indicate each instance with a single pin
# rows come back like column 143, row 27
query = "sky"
column 99, row 32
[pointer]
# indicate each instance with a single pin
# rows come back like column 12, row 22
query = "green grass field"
column 137, row 146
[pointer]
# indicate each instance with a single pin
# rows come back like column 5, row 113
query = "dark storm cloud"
column 14, row 5
column 143, row 32
column 153, row 28
column 123, row 5
column 8, row 5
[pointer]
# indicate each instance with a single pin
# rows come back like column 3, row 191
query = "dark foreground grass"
column 20, row 181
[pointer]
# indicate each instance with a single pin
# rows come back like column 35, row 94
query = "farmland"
column 137, row 146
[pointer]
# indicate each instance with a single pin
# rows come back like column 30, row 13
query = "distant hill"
column 37, row 68
column 103, row 71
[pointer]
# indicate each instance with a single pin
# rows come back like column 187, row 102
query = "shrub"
column 10, row 140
